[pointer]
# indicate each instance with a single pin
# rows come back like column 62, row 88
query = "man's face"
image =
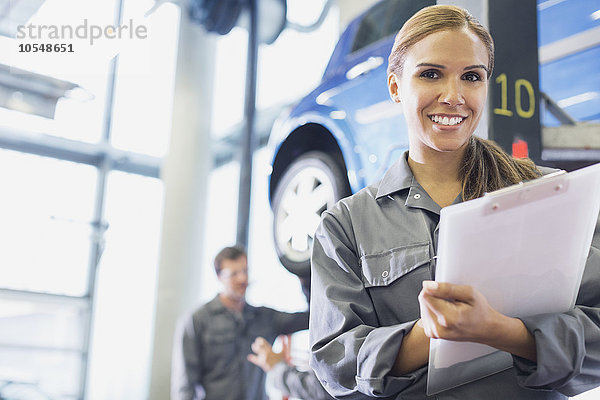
column 234, row 277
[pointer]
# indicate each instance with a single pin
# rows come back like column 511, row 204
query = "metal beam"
column 32, row 93
column 248, row 142
column 12, row 346
column 582, row 136
column 27, row 295
column 47, row 145
column 578, row 143
column 569, row 45
column 591, row 156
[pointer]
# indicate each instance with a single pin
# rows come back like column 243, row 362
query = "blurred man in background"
column 213, row 342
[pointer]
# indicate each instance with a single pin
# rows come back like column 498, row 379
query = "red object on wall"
column 520, row 149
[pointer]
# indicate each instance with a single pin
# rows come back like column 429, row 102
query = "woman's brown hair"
column 433, row 19
column 486, row 167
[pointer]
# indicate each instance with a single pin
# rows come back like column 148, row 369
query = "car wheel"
column 311, row 184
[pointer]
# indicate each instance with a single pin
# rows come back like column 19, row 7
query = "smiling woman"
column 373, row 305
column 442, row 89
column 451, row 58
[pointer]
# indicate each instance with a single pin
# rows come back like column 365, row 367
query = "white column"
column 185, row 175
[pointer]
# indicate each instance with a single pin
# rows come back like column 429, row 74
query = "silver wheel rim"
column 299, row 212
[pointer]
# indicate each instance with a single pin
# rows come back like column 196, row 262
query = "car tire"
column 312, row 183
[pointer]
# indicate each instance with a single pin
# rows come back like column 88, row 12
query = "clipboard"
column 524, row 248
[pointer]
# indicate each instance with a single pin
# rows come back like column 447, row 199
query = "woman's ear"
column 393, row 87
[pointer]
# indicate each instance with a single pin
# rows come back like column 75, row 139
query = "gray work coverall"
column 371, row 253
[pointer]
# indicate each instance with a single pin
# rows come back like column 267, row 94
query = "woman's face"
column 442, row 90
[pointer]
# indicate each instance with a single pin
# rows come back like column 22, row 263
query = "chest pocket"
column 384, row 268
column 220, row 347
column 394, row 280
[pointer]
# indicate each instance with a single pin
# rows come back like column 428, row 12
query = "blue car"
column 346, row 133
column 341, row 136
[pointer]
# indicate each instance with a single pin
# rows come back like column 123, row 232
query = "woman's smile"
column 445, row 120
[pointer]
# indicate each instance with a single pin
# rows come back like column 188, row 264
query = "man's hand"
column 264, row 355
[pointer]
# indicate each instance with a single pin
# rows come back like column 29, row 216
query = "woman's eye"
column 430, row 75
column 471, row 76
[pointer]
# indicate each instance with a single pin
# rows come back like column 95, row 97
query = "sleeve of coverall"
column 568, row 344
column 350, row 354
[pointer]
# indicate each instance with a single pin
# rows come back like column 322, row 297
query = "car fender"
column 283, row 129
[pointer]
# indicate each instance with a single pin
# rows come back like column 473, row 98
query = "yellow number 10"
column 519, row 85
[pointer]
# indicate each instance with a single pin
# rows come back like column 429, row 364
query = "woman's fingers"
column 454, row 312
column 449, row 291
column 430, row 317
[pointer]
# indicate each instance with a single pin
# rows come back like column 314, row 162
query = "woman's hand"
column 461, row 313
column 455, row 312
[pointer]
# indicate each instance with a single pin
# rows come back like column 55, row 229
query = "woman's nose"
column 451, row 94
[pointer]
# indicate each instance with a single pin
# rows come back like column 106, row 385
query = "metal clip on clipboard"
column 526, row 192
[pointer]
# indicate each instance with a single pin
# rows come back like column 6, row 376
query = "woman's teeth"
column 445, row 120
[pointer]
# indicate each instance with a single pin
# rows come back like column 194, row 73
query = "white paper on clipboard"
column 524, row 247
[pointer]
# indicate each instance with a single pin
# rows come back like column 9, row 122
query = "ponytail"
column 486, row 167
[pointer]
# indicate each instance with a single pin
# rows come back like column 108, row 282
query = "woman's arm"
column 568, row 344
column 414, row 351
column 351, row 353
